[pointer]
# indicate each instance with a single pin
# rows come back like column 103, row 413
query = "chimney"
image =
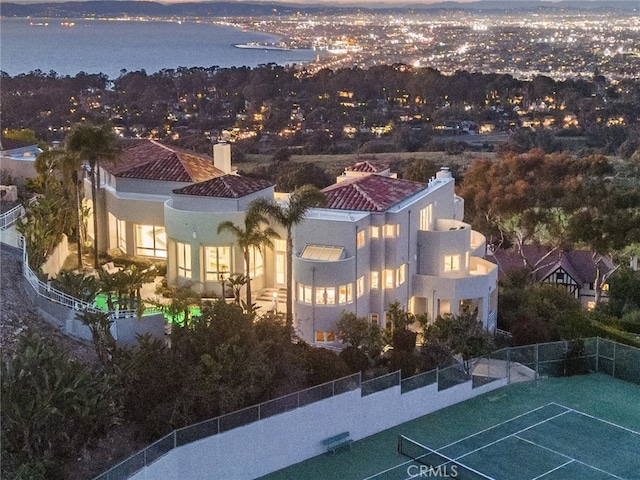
column 222, row 156
column 444, row 173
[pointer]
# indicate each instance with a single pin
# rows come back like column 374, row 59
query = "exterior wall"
column 250, row 452
column 18, row 169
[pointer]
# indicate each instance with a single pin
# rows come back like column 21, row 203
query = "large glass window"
column 360, row 286
column 389, row 280
column 184, row 260
column 325, row 336
column 375, row 232
column 360, row 238
column 304, row 293
column 400, row 275
column 390, row 230
column 217, row 261
column 426, row 217
column 151, row 241
column 375, row 280
column 345, row 293
column 325, row 296
column 122, row 235
column 256, row 263
column 451, row 263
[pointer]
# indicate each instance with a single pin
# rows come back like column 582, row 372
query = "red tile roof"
column 151, row 160
column 372, row 193
column 367, row 167
column 226, row 186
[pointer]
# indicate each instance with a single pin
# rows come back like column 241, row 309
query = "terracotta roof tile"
column 225, row 186
column 367, row 167
column 151, row 160
column 372, row 193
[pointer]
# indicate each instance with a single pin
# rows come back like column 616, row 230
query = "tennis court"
column 585, row 427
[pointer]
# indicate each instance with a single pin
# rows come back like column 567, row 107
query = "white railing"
column 10, row 217
column 41, row 288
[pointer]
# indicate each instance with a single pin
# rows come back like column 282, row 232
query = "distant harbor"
column 263, row 46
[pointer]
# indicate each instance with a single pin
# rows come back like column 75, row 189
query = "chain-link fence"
column 514, row 364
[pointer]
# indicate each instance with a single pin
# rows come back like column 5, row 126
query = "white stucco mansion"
column 378, row 239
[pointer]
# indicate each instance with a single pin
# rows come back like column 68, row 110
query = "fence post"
column 613, row 371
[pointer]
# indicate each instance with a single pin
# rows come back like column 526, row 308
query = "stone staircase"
column 265, row 298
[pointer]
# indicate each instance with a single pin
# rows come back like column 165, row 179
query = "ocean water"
column 102, row 46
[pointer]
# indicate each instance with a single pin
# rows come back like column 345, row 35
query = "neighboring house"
column 363, row 169
column 17, row 160
column 573, row 270
column 377, row 240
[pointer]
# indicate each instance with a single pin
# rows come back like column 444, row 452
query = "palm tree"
column 289, row 215
column 93, row 144
column 256, row 234
column 67, row 165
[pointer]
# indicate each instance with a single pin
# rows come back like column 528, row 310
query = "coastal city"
column 520, row 44
column 251, row 240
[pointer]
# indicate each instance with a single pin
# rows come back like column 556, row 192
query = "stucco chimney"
column 222, row 156
column 443, row 173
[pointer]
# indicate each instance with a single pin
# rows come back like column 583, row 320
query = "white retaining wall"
column 276, row 442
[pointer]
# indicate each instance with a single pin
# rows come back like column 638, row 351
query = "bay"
column 110, row 46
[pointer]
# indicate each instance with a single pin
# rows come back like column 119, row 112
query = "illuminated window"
column 451, row 263
column 322, row 252
column 373, row 318
column 322, row 336
column 122, row 235
column 400, row 275
column 375, row 280
column 426, row 217
column 591, row 305
column 325, row 296
column 390, row 231
column 388, row 278
column 151, row 241
column 360, row 286
column 217, row 261
column 360, row 239
column 184, row 260
column 279, row 245
column 345, row 293
column 256, row 263
column 375, row 232
column 304, row 293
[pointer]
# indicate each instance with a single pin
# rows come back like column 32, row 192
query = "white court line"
column 554, row 469
column 473, row 435
column 599, row 419
column 501, row 423
column 567, row 456
column 514, row 434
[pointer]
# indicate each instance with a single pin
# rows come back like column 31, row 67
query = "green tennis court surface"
column 585, row 428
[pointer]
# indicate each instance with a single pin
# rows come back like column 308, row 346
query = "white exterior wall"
column 250, row 451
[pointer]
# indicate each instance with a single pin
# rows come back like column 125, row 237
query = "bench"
column 332, row 444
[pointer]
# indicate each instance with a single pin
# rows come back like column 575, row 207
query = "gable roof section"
column 577, row 263
column 367, row 167
column 225, row 186
column 151, row 160
column 372, row 193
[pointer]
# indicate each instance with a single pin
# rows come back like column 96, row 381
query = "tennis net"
column 434, row 463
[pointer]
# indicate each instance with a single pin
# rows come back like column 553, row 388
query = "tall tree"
column 93, row 144
column 288, row 215
column 256, row 233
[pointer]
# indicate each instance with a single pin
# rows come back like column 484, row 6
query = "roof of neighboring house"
column 151, row 160
column 367, row 167
column 225, row 186
column 373, row 193
column 577, row 263
column 11, row 144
